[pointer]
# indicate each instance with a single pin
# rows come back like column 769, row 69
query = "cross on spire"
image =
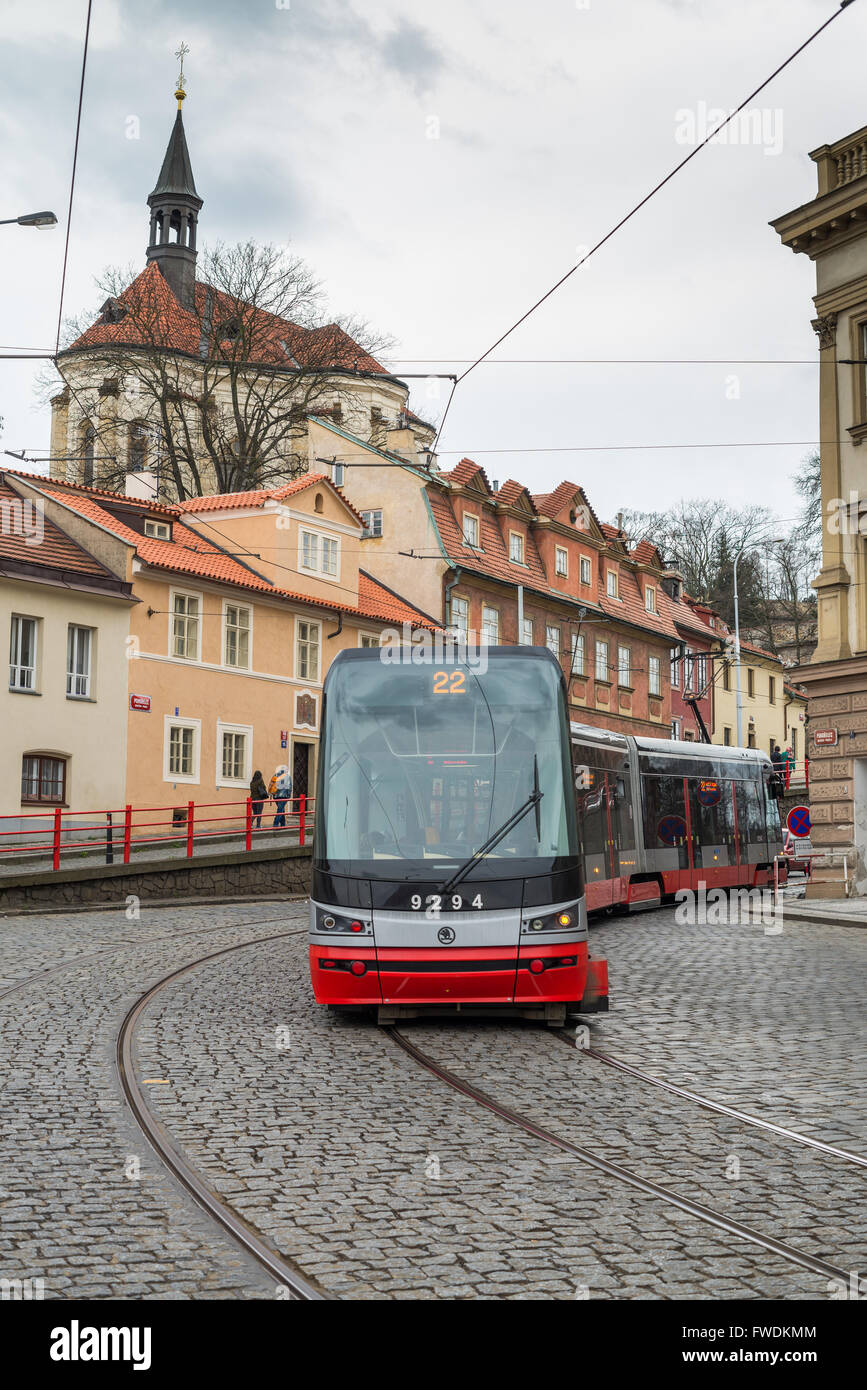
column 180, row 54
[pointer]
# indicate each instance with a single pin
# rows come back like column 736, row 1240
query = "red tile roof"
column 155, row 318
column 511, row 491
column 53, row 550
column 192, row 554
column 226, row 501
column 630, row 607
column 493, row 558
column 464, row 473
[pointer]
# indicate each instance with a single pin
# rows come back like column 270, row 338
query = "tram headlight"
column 555, row 921
column 328, row 923
column 537, row 924
column 334, row 922
column 565, row 919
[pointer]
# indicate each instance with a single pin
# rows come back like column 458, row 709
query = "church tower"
column 175, row 206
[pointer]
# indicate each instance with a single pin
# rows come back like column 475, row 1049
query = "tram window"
column 712, row 816
column 663, row 800
column 751, row 817
column 592, row 816
column 621, row 811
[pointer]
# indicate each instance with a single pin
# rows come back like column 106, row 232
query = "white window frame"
column 528, row 633
column 185, row 593
column 488, row 608
column 370, row 529
column 159, row 530
column 516, row 542
column 366, row 640
column 586, row 571
column 579, row 654
column 476, row 519
column 463, row 631
column 299, row 675
column 650, row 599
column 553, row 638
column 338, row 473
column 675, row 729
column 224, row 635
column 317, row 568
column 654, row 676
column 611, row 584
column 16, row 665
column 173, row 721
column 674, row 668
column 561, row 553
column 603, row 657
column 86, row 676
column 624, row 665
column 700, row 672
column 247, row 731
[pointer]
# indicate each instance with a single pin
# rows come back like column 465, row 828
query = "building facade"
column 236, row 607
column 832, row 230
column 65, row 615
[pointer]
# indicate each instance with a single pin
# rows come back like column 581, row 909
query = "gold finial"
column 180, row 54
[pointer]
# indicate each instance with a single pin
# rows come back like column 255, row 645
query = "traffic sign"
column 709, row 793
column 798, row 821
column 671, row 830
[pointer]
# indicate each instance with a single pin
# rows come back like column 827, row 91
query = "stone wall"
column 266, row 872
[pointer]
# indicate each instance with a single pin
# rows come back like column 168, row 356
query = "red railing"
column 190, row 824
column 796, row 774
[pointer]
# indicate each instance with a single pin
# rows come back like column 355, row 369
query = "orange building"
column 242, row 601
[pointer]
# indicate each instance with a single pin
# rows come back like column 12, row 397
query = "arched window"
column 317, row 502
column 88, row 448
column 138, row 447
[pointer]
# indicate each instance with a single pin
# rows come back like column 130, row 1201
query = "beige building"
column 832, row 230
column 65, row 618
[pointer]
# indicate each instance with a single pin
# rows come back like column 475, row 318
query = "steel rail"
column 716, row 1105
column 160, row 1140
column 615, row 1170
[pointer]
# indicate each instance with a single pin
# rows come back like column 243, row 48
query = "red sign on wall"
column 825, row 738
column 142, row 702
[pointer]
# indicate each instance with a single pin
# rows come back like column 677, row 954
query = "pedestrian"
column 776, row 756
column 282, row 783
column 259, row 795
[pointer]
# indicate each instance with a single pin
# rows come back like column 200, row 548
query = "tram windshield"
column 422, row 765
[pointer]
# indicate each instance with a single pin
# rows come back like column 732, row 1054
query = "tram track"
column 705, row 1102
column 615, row 1170
column 299, row 1289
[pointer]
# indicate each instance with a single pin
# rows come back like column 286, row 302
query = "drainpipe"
column 337, row 631
column 520, row 613
column 448, row 595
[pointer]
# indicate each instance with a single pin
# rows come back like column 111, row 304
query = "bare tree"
column 221, row 396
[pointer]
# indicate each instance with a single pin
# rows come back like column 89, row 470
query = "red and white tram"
column 446, row 867
column 656, row 816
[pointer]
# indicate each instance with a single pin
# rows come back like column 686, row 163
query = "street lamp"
column 32, row 219
column 739, row 699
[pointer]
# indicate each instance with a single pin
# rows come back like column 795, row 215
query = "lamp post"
column 739, row 699
column 39, row 220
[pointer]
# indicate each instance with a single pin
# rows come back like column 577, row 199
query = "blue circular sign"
column 709, row 793
column 798, row 821
column 671, row 830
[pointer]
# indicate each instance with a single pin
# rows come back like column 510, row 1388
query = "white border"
column 181, row 721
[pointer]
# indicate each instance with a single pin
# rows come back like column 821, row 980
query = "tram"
column 656, row 816
column 446, row 865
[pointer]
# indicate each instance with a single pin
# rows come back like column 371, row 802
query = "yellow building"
column 242, row 602
column 65, row 619
column 832, row 230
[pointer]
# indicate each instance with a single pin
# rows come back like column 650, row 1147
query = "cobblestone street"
column 378, row 1181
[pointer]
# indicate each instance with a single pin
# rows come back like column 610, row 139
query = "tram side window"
column 713, row 822
column 621, row 810
column 663, row 799
column 751, row 817
column 592, row 818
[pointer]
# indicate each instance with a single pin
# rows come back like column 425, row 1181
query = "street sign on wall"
column 140, row 702
column 798, row 821
column 825, row 738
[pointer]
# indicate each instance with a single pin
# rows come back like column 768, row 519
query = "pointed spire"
column 175, row 206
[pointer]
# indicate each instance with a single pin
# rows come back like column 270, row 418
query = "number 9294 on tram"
column 446, row 868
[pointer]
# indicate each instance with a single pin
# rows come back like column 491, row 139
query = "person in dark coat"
column 259, row 795
column 777, row 757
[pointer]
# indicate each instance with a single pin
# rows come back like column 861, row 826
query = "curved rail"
column 615, row 1170
column 299, row 1288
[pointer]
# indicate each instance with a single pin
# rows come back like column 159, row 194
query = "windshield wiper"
column 532, row 803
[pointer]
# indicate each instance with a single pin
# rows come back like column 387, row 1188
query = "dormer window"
column 611, row 586
column 586, row 573
column 113, row 311
column 159, row 530
column 516, row 547
column 561, row 561
column 471, row 530
column 650, row 599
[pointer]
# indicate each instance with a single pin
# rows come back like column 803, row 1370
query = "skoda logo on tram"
column 446, row 935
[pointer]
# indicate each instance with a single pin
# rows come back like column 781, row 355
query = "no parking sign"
column 798, row 821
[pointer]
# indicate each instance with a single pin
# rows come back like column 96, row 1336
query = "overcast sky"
column 310, row 123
